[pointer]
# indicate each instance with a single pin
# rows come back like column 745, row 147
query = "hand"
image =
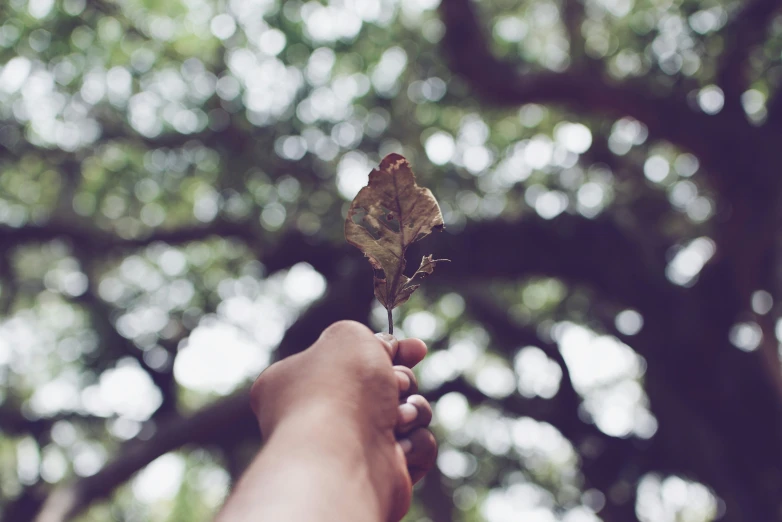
column 345, row 392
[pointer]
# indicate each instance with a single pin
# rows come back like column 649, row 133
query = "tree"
column 174, row 180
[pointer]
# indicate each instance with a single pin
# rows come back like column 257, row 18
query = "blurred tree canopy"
column 174, row 176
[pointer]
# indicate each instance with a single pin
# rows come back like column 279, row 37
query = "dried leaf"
column 385, row 218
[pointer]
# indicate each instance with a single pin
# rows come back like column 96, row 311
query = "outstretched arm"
column 344, row 433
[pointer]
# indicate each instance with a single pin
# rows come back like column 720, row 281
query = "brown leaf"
column 385, row 218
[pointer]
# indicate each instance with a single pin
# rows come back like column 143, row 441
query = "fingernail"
column 390, row 341
column 383, row 336
column 407, row 413
column 407, row 446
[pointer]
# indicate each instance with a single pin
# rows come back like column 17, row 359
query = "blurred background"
column 174, row 177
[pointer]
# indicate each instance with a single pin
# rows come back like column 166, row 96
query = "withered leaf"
column 385, row 218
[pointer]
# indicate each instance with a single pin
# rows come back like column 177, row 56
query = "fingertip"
column 406, row 414
column 410, row 352
column 422, row 455
column 424, row 409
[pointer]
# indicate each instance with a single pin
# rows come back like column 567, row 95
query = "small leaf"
column 385, row 218
column 427, row 266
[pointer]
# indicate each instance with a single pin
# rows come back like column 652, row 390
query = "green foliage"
column 157, row 156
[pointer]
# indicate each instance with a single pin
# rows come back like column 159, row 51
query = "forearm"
column 307, row 475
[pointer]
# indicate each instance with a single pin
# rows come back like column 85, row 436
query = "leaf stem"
column 390, row 322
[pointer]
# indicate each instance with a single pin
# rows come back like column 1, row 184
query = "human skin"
column 345, row 435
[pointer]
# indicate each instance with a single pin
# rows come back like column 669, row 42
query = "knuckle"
column 412, row 385
column 256, row 394
column 371, row 375
column 346, row 327
column 259, row 390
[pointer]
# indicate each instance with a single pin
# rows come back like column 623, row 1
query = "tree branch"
column 277, row 254
column 81, row 236
column 118, row 346
column 8, row 286
column 667, row 115
column 227, row 418
column 502, row 327
column 573, row 248
column 595, row 253
column 774, row 107
column 436, row 497
column 14, row 422
column 744, row 33
column 509, row 335
column 606, row 461
column 572, row 14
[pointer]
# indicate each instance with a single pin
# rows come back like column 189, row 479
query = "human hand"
column 353, row 393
